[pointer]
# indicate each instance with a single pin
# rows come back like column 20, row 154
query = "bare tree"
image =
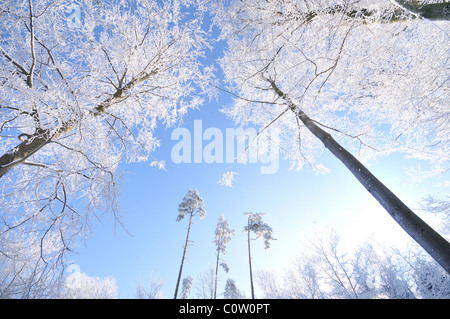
column 370, row 271
column 440, row 208
column 270, row 284
column 204, row 285
column 223, row 237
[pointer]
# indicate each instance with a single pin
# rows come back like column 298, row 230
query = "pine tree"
column 261, row 229
column 191, row 205
column 78, row 95
column 231, row 290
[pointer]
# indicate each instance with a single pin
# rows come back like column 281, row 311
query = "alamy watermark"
column 73, row 16
column 234, row 145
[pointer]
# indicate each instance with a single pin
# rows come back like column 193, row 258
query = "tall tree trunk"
column 184, row 254
column 421, row 232
column 250, row 261
column 217, row 273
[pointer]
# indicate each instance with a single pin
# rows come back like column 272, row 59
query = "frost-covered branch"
column 371, row 270
column 231, row 290
column 430, row 11
column 259, row 228
column 154, row 290
column 256, row 225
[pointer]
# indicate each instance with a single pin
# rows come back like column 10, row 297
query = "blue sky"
column 296, row 203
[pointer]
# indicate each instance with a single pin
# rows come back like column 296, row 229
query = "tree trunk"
column 217, row 273
column 184, row 254
column 421, row 232
column 250, row 261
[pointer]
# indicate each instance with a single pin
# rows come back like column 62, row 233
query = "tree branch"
column 33, row 53
column 413, row 9
column 14, row 62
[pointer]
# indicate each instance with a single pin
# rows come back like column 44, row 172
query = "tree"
column 204, row 286
column 304, row 281
column 223, row 237
column 22, row 273
column 231, row 290
column 80, row 286
column 256, row 225
column 81, row 93
column 153, row 292
column 430, row 281
column 186, row 287
column 191, row 205
column 426, row 9
column 372, row 270
column 440, row 208
column 270, row 285
column 371, row 74
column 394, row 278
